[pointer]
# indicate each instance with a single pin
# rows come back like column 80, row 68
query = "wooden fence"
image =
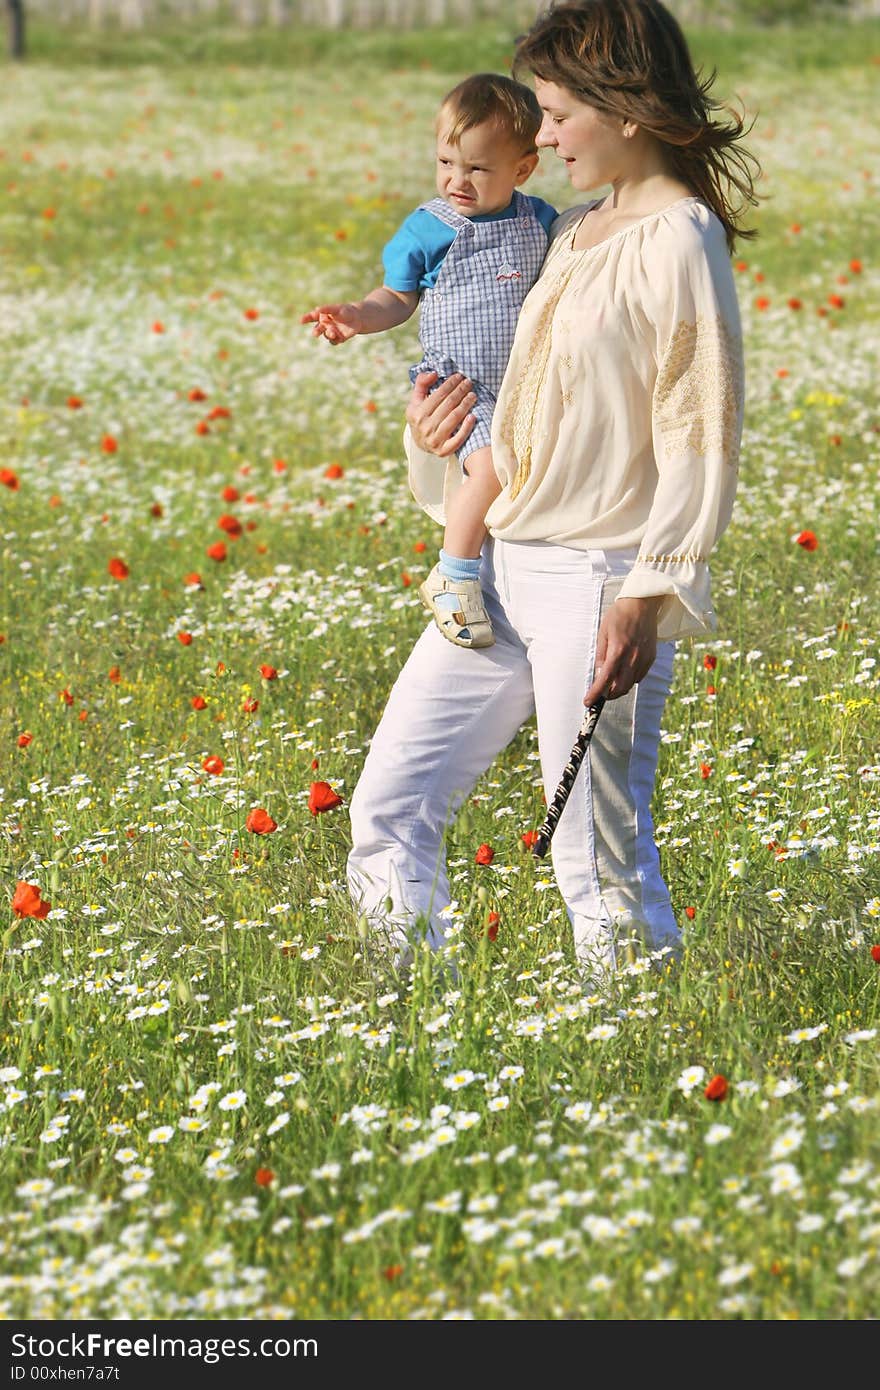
column 363, row 14
column 330, row 14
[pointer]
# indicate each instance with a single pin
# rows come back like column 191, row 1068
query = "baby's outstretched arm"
column 381, row 309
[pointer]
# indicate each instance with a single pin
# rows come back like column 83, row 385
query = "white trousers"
column 452, row 710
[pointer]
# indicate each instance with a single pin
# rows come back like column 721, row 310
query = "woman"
column 616, row 438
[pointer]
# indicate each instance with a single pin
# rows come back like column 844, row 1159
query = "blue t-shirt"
column 414, row 255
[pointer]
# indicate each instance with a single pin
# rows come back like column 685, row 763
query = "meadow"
column 217, row 1100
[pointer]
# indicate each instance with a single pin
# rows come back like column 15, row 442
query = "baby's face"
column 479, row 173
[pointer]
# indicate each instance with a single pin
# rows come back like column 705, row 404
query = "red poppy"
column 9, row 479
column 118, row 568
column 199, row 702
column 196, row 394
column 259, row 822
column 24, row 739
column 185, row 638
column 74, row 403
column 249, row 705
column 269, row 673
column 334, row 470
column 875, row 954
column 264, row 1177
column 484, row 855
column 808, row 540
column 217, row 551
column 710, row 661
column 717, row 1088
column 114, row 675
column 27, row 902
column 529, row 837
column 230, row 493
column 705, row 771
column 213, row 765
column 230, row 524
column 322, row 798
column 109, row 444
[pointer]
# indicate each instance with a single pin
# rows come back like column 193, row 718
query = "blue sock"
column 453, row 567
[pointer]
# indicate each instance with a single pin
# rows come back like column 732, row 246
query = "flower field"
column 217, row 1100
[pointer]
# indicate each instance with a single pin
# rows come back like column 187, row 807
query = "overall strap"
column 522, row 206
column 444, row 213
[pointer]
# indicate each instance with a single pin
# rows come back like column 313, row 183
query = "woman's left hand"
column 625, row 647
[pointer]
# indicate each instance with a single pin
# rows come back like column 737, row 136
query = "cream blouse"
column 619, row 418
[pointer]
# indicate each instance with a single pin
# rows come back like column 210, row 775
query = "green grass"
column 786, row 46
column 580, row 1173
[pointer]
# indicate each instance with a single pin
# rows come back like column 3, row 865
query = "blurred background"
column 89, row 27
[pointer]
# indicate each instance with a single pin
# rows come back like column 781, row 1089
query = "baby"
column 468, row 259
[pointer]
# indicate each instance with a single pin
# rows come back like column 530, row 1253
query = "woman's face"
column 590, row 141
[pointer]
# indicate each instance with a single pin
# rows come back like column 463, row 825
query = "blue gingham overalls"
column 467, row 321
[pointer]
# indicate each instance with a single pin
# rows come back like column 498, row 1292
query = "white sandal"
column 468, row 623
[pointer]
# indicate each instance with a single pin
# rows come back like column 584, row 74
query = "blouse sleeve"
column 696, row 425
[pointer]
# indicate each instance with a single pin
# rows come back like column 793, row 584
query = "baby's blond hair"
column 490, row 97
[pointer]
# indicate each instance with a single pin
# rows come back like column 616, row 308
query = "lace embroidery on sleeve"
column 699, row 390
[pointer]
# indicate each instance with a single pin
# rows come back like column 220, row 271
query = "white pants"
column 452, row 710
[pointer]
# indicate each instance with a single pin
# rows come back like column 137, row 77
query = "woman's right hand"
column 440, row 421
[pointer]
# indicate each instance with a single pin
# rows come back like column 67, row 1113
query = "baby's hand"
column 335, row 322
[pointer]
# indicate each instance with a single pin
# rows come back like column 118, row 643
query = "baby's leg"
column 452, row 589
column 465, row 525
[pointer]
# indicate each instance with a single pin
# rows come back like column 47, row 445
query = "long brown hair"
column 629, row 58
